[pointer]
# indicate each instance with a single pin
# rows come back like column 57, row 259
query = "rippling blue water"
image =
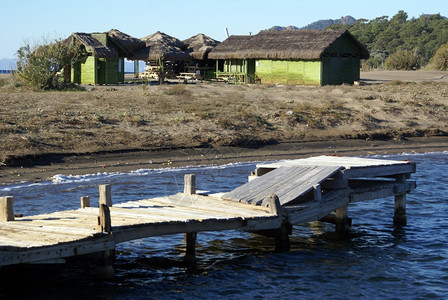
column 376, row 261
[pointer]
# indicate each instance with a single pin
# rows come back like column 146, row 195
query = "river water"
column 376, row 260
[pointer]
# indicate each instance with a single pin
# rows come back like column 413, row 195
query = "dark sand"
column 38, row 169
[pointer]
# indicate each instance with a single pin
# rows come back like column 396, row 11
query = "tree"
column 423, row 35
column 40, row 65
column 440, row 59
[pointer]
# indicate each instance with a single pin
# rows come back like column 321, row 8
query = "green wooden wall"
column 93, row 70
column 110, row 71
column 83, row 72
column 341, row 62
column 340, row 69
column 288, row 72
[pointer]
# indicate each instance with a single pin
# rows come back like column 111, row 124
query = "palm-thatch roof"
column 94, row 46
column 126, row 44
column 162, row 46
column 291, row 44
column 200, row 45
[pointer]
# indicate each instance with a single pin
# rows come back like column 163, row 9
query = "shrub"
column 440, row 59
column 403, row 60
column 40, row 65
column 178, row 89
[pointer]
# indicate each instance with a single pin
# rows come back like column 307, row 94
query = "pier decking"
column 277, row 196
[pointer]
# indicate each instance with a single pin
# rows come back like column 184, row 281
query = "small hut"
column 165, row 55
column 315, row 57
column 198, row 47
column 103, row 59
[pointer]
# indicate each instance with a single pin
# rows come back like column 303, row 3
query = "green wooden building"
column 311, row 57
column 103, row 56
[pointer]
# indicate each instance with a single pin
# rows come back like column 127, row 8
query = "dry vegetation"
column 108, row 118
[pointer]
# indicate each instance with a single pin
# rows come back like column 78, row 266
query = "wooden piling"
column 105, row 195
column 341, row 219
column 400, row 203
column 282, row 243
column 6, row 209
column 105, row 269
column 281, row 234
column 190, row 242
column 104, row 221
column 85, row 201
column 190, row 238
column 190, row 184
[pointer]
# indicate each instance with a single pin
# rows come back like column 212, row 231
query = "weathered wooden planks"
column 288, row 183
column 173, row 214
column 325, row 184
column 353, row 166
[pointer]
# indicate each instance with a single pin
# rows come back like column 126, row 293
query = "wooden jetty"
column 277, row 196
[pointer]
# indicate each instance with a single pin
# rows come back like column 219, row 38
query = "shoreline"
column 43, row 168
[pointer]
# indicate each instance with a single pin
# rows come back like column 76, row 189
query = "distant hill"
column 321, row 24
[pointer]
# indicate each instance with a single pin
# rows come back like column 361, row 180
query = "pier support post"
column 400, row 204
column 105, row 269
column 104, row 221
column 282, row 243
column 281, row 234
column 6, row 209
column 341, row 220
column 190, row 238
column 105, row 195
column 190, row 242
column 190, row 184
column 85, row 201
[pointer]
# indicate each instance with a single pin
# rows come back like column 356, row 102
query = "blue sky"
column 32, row 20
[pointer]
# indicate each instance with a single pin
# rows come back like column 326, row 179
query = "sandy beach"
column 130, row 127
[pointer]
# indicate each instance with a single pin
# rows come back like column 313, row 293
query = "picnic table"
column 190, row 76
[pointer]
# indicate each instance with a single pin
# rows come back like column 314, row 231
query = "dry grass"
column 108, row 118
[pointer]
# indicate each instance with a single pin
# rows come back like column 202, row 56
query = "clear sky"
column 32, row 20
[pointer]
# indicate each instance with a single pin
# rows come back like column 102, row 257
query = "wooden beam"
column 379, row 171
column 377, row 189
column 157, row 229
column 314, row 211
column 85, row 246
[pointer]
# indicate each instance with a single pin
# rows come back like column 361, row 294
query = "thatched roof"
column 200, row 45
column 162, row 46
column 291, row 44
column 126, row 43
column 94, row 46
